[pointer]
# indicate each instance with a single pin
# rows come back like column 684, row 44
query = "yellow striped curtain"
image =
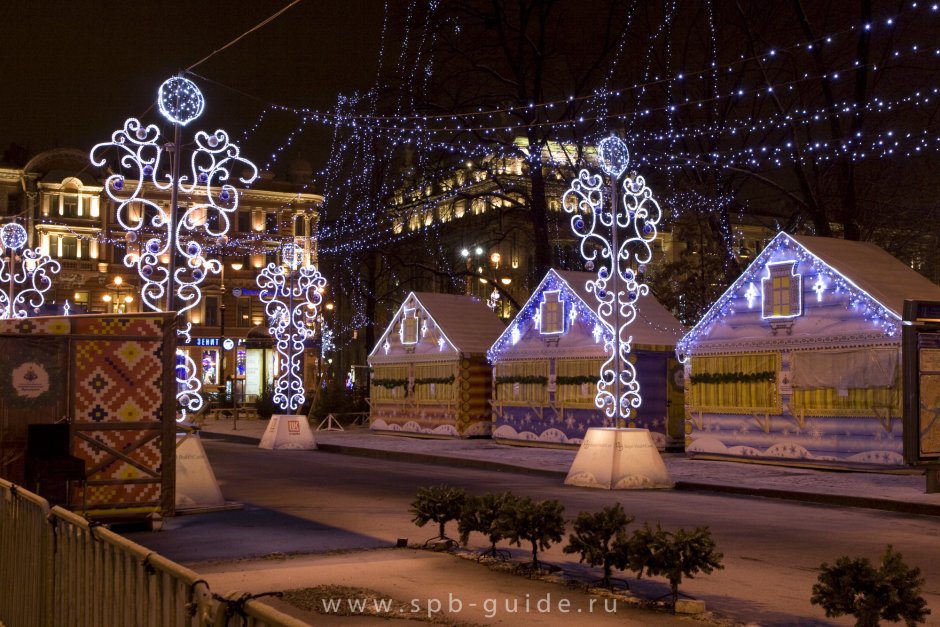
column 858, row 401
column 577, row 393
column 741, row 395
column 397, row 371
column 534, row 393
column 442, row 391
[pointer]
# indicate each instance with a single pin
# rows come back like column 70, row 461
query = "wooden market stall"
column 800, row 357
column 547, row 362
column 99, row 393
column 429, row 370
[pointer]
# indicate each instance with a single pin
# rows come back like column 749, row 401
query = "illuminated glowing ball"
column 146, row 270
column 578, row 223
column 589, row 266
column 197, row 275
column 148, row 170
column 192, row 249
column 225, row 195
column 603, row 273
column 614, row 156
column 602, row 293
column 180, row 101
column 141, row 133
column 213, row 141
column 13, row 236
column 647, row 228
column 153, row 246
column 118, row 184
column 203, row 178
column 131, row 236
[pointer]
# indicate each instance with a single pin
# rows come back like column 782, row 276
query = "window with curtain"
column 391, row 373
column 860, row 381
column 438, row 391
column 737, row 383
column 529, row 385
column 576, row 380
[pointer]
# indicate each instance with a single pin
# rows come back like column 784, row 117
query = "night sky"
column 74, row 71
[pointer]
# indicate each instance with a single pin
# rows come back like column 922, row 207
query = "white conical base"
column 287, row 432
column 196, row 486
column 618, row 459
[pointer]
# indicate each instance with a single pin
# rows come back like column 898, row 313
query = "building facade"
column 60, row 199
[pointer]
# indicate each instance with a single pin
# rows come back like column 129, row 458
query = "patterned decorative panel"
column 117, row 325
column 117, row 380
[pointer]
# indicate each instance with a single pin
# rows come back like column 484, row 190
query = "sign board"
column 920, row 341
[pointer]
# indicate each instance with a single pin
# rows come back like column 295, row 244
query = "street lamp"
column 623, row 232
column 164, row 236
column 292, row 293
column 29, row 270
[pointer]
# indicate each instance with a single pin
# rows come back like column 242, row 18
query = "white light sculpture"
column 619, row 219
column 25, row 276
column 161, row 236
column 291, row 294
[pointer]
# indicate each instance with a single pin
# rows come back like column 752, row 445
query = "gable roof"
column 465, row 321
column 880, row 278
column 654, row 324
column 883, row 276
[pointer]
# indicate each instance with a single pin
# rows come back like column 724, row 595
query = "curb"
column 841, row 500
column 229, row 437
column 441, row 460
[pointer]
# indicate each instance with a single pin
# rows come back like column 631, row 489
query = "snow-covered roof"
column 464, row 324
column 884, row 277
column 654, row 324
column 859, row 277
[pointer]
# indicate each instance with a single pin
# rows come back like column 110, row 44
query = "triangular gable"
column 653, row 326
column 526, row 326
column 430, row 327
column 859, row 273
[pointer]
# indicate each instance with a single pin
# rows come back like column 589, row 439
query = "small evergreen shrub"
column 854, row 586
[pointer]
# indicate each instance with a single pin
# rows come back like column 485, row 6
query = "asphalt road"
column 313, row 501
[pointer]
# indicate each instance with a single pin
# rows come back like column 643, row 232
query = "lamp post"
column 29, row 269
column 292, row 295
column 618, row 218
column 161, row 236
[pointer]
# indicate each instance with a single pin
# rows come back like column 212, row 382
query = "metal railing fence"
column 61, row 569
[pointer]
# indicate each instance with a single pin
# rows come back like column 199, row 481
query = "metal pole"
column 615, row 286
column 222, row 333
column 171, row 218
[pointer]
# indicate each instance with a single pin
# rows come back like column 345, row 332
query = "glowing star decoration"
column 441, row 343
column 156, row 238
column 424, row 328
column 66, row 308
column 386, row 347
column 819, row 287
column 597, row 333
column 619, row 219
column 291, row 297
column 25, row 276
column 180, row 101
column 751, row 295
column 515, row 335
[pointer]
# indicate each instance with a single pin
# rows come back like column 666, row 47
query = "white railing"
column 25, row 558
column 66, row 570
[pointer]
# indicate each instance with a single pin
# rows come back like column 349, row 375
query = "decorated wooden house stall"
column 429, row 370
column 547, row 362
column 800, row 357
column 97, row 391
